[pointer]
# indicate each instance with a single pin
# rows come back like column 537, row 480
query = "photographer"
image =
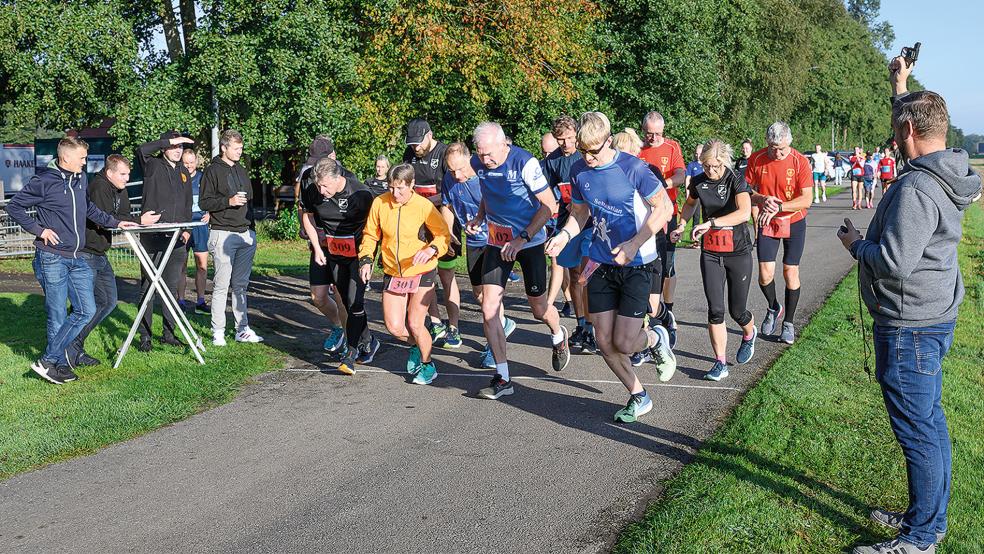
column 910, row 281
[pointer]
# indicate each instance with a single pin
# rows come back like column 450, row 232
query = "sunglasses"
column 596, row 151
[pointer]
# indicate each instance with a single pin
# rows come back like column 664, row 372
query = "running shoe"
column 509, row 327
column 788, row 333
column 893, row 520
column 66, row 373
column 368, row 351
column 640, row 358
column 514, row 277
column 771, row 320
column 218, row 339
column 561, row 352
column 663, row 355
column 488, row 360
column 747, row 348
column 183, row 305
column 638, row 406
column 413, row 360
column 718, row 372
column 48, row 371
column 438, row 331
column 247, row 335
column 453, row 338
column 895, row 546
column 576, row 341
column 347, row 365
column 426, row 374
column 825, row 197
column 202, row 307
column 588, row 344
column 566, row 310
column 85, row 360
column 497, row 388
column 669, row 321
column 335, row 340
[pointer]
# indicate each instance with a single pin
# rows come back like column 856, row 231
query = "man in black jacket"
column 107, row 191
column 166, row 192
column 226, row 194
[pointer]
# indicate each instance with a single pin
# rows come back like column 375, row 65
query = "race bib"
column 720, row 240
column 857, row 171
column 499, row 235
column 565, row 192
column 425, row 190
column 403, row 285
column 778, row 228
column 340, row 246
column 589, row 269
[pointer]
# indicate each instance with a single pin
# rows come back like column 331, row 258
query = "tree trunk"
column 171, row 35
column 189, row 23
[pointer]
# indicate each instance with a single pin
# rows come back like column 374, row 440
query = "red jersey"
column 668, row 157
column 857, row 166
column 785, row 179
column 886, row 169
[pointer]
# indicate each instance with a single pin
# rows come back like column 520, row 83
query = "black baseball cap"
column 417, row 129
column 320, row 148
column 168, row 135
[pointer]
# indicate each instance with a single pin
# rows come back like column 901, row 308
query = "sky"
column 951, row 60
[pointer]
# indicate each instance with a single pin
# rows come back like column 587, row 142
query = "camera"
column 911, row 54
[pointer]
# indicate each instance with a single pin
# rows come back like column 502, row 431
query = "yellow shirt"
column 402, row 231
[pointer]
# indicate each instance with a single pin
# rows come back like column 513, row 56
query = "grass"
column 809, row 451
column 41, row 423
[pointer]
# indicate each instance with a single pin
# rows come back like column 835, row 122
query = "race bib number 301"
column 340, row 246
column 499, row 235
column 404, row 285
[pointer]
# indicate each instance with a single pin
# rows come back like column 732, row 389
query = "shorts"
column 474, row 257
column 336, row 271
column 576, row 249
column 670, row 271
column 533, row 261
column 819, row 176
column 869, row 185
column 199, row 235
column 453, row 251
column 658, row 275
column 792, row 248
column 426, row 280
column 857, row 178
column 446, row 264
column 625, row 289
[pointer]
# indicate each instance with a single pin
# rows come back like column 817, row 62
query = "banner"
column 16, row 166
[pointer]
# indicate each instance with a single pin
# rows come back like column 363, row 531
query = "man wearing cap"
column 167, row 192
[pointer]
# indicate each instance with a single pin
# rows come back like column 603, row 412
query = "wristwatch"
column 524, row 235
column 713, row 222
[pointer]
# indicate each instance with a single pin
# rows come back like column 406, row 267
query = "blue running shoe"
column 413, row 360
column 747, row 348
column 453, row 338
column 638, row 405
column 514, row 277
column 509, row 327
column 488, row 360
column 438, row 331
column 426, row 374
column 368, row 351
column 718, row 372
column 335, row 340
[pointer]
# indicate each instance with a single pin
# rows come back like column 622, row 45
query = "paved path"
column 306, row 461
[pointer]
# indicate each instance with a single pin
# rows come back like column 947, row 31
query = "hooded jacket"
column 62, row 205
column 908, row 262
column 220, row 182
column 167, row 188
column 115, row 202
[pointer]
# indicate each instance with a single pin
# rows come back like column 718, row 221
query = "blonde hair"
column 593, row 128
column 628, row 141
column 716, row 149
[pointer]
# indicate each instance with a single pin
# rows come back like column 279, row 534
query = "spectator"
column 199, row 236
column 379, row 183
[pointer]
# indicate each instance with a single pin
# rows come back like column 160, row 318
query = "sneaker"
column 347, row 364
column 426, row 374
column 637, row 407
column 171, row 340
column 561, row 352
column 218, row 339
column 48, row 371
column 514, row 277
column 183, row 305
column 893, row 520
column 202, row 307
column 488, row 360
column 247, row 335
column 368, row 351
column 508, row 327
column 576, row 340
column 588, row 344
column 640, row 358
column 566, row 310
column 413, row 360
column 145, row 345
column 66, row 373
column 335, row 340
column 747, row 348
column 788, row 333
column 870, row 205
column 669, row 321
column 663, row 355
column 718, row 372
column 896, row 546
column 453, row 338
column 438, row 331
column 771, row 320
column 824, row 197
column 498, row 387
column 85, row 360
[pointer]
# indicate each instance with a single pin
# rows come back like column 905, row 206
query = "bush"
column 285, row 227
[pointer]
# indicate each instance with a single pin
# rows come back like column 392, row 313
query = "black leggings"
column 344, row 274
column 736, row 272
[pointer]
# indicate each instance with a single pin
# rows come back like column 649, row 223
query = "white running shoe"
column 247, row 335
column 218, row 339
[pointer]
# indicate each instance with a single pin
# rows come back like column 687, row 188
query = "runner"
column 629, row 205
column 665, row 154
column 462, row 194
column 547, row 145
column 819, row 161
column 886, row 170
column 726, row 255
column 516, row 203
column 870, row 175
column 427, row 157
column 780, row 177
column 557, row 170
column 857, row 178
column 335, row 212
column 411, row 236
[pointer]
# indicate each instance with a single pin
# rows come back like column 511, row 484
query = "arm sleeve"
column 371, row 234
column 31, row 195
column 210, row 198
column 533, row 176
column 146, row 151
column 903, row 239
column 439, row 228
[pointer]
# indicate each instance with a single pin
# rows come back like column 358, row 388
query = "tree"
column 866, row 13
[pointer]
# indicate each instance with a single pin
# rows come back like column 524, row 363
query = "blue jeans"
column 64, row 280
column 105, row 294
column 908, row 362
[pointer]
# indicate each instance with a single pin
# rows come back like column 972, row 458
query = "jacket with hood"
column 220, row 182
column 909, row 273
column 115, row 202
column 166, row 188
column 62, row 205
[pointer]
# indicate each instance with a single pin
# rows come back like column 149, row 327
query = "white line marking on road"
column 524, row 378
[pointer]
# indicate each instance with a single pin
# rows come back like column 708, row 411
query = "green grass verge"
column 809, row 450
column 41, row 423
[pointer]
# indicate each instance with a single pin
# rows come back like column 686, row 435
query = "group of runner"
column 601, row 207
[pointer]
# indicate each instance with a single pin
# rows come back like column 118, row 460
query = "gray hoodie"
column 908, row 261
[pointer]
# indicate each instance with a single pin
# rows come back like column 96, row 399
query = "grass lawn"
column 809, row 451
column 41, row 423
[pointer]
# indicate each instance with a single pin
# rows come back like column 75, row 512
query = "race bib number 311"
column 499, row 235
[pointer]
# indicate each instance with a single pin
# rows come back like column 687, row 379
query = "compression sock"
column 503, row 370
column 792, row 299
column 769, row 291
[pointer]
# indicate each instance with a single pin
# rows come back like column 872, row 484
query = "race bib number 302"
column 499, row 235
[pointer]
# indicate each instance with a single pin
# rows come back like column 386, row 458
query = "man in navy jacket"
column 59, row 194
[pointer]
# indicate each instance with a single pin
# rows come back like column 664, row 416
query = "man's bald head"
column 548, row 144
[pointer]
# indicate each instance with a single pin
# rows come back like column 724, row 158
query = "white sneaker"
column 247, row 335
column 218, row 339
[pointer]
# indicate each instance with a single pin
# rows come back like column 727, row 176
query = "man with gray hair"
column 910, row 281
column 782, row 179
column 226, row 194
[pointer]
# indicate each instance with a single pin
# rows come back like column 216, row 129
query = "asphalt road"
column 306, row 460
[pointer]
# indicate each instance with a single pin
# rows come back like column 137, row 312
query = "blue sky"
column 951, row 61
